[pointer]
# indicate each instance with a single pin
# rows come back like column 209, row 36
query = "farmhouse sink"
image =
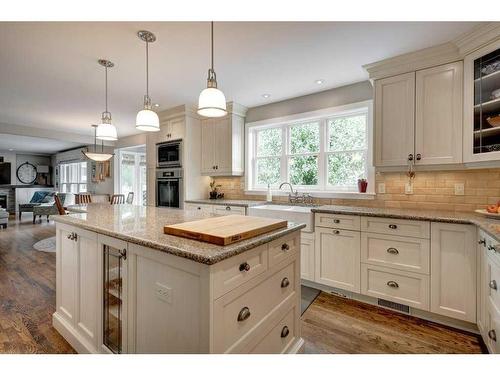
column 296, row 214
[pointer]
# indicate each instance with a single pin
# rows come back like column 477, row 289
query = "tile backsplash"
column 431, row 190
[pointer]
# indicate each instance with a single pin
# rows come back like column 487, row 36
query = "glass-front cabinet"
column 113, row 298
column 482, row 104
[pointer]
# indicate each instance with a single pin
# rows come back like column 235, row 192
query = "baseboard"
column 72, row 336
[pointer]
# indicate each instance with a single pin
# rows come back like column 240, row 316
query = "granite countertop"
column 143, row 225
column 491, row 226
column 227, row 202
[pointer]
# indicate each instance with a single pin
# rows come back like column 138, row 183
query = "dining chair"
column 117, row 199
column 130, row 197
column 83, row 198
column 60, row 208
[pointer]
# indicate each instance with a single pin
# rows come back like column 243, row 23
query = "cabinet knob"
column 285, row 282
column 482, row 241
column 69, row 236
column 393, row 250
column 123, row 254
column 393, row 226
column 199, row 208
column 244, row 314
column 393, row 284
column 336, row 221
column 284, row 332
column 216, row 167
column 493, row 285
column 410, row 157
column 336, row 232
column 285, row 247
column 492, row 334
column 419, row 157
column 244, row 267
column 491, row 248
column 228, row 208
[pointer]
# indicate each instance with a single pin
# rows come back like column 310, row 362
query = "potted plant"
column 213, row 189
column 362, row 185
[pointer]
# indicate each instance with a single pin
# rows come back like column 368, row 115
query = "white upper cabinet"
column 394, row 119
column 438, row 115
column 222, row 144
column 482, row 104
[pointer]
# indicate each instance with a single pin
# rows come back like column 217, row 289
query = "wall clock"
column 26, row 173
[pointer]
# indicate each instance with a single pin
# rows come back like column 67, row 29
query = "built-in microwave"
column 169, row 154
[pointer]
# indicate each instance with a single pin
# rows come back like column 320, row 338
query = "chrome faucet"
column 293, row 196
column 289, row 184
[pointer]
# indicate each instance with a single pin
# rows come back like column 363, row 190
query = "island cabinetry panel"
column 216, row 209
column 453, row 270
column 307, row 256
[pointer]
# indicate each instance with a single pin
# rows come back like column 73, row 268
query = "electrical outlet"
column 459, row 189
column 409, row 188
column 381, row 188
column 163, row 292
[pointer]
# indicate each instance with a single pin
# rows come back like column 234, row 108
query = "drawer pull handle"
column 285, row 247
column 284, row 332
column 199, row 208
column 393, row 250
column 285, row 282
column 70, row 236
column 336, row 232
column 393, row 284
column 393, row 226
column 228, row 208
column 336, row 221
column 244, row 314
column 492, row 334
column 482, row 241
column 493, row 285
column 244, row 267
column 491, row 248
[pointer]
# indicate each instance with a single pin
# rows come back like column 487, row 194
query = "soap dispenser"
column 269, row 196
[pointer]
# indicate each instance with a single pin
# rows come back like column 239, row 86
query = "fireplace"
column 3, row 201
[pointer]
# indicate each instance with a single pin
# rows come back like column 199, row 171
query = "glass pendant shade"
column 106, row 132
column 147, row 120
column 97, row 156
column 212, row 103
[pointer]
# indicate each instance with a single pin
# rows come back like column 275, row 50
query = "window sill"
column 319, row 194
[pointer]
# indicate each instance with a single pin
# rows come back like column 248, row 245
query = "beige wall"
column 431, row 190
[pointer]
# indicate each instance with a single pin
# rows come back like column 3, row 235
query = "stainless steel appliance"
column 169, row 154
column 169, row 187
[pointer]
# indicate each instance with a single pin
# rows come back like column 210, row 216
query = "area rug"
column 47, row 245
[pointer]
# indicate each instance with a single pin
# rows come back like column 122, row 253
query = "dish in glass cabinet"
column 488, row 214
column 491, row 68
column 495, row 94
column 494, row 120
column 492, row 148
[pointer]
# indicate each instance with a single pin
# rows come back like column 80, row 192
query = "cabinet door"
column 394, row 119
column 307, row 256
column 223, row 146
column 453, row 270
column 438, row 115
column 338, row 258
column 151, row 140
column 208, row 147
column 176, row 128
column 89, row 275
column 482, row 268
column 67, row 272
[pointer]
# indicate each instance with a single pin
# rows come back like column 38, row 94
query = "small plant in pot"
column 213, row 189
column 362, row 185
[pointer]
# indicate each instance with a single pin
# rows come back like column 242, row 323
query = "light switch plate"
column 381, row 188
column 459, row 189
column 163, row 292
column 408, row 188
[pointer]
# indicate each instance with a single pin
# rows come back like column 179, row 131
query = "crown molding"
column 477, row 37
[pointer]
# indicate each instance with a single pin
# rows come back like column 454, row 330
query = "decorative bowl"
column 494, row 120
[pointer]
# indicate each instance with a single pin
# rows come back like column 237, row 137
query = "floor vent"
column 394, row 306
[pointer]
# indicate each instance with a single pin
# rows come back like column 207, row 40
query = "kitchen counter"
column 491, row 226
column 143, row 225
column 227, row 202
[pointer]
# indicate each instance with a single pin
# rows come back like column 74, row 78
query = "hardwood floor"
column 330, row 325
column 27, row 291
column 336, row 325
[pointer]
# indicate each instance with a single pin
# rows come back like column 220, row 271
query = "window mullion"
column 284, row 152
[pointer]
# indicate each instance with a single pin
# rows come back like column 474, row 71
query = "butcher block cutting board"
column 225, row 230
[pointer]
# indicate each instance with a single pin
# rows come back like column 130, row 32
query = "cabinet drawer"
column 238, row 313
column 398, row 286
column 235, row 271
column 229, row 210
column 492, row 337
column 198, row 207
column 403, row 253
column 350, row 222
column 283, row 248
column 279, row 337
column 399, row 227
column 493, row 281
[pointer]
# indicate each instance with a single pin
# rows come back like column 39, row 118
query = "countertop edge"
column 228, row 202
column 235, row 250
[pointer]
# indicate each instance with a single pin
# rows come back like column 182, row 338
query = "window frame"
column 322, row 189
column 65, row 186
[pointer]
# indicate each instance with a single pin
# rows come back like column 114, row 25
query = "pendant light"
column 106, row 131
column 147, row 120
column 97, row 156
column 212, row 102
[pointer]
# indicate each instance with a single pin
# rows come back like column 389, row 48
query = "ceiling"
column 21, row 144
column 50, row 78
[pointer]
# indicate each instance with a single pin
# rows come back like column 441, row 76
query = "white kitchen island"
column 125, row 287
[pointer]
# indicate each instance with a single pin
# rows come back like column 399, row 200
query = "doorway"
column 131, row 173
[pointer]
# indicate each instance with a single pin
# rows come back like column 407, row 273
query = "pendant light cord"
column 147, row 68
column 106, row 86
column 212, row 37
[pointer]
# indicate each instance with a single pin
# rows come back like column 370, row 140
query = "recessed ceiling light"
column 11, row 149
column 320, row 81
column 266, row 96
column 156, row 105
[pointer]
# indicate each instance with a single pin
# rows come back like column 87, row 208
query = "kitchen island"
column 123, row 286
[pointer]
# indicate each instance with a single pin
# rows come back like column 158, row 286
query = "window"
column 325, row 151
column 132, row 172
column 73, row 177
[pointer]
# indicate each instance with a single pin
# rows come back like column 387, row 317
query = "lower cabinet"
column 453, row 270
column 338, row 258
column 307, row 256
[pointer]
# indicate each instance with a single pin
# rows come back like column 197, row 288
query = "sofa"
column 38, row 198
column 47, row 209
